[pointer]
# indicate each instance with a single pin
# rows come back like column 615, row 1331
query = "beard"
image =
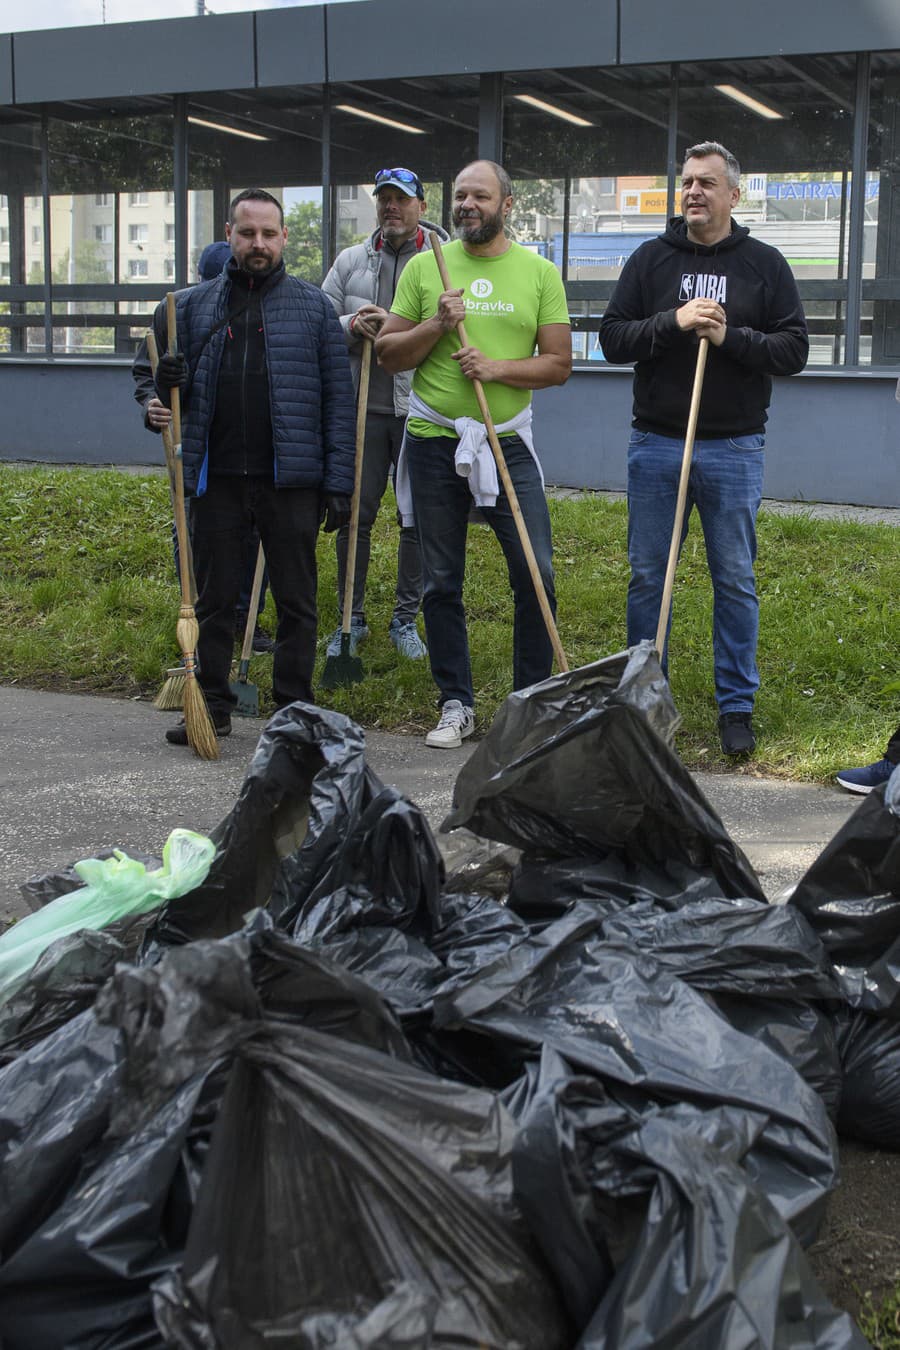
column 258, row 264
column 477, row 229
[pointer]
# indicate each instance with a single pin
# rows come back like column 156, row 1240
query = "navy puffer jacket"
column 310, row 386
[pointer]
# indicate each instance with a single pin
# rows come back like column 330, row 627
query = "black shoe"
column 736, row 733
column 262, row 642
column 178, row 735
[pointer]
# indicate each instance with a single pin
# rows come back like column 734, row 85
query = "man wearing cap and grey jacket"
column 361, row 286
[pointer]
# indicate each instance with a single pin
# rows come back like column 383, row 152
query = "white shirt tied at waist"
column 474, row 458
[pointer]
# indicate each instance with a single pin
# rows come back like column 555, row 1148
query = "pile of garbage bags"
column 577, row 1086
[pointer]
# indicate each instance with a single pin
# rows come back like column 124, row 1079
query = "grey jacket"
column 353, row 282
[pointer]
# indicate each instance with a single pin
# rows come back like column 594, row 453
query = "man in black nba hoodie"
column 705, row 277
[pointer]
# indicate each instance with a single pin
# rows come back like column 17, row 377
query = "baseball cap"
column 213, row 259
column 404, row 179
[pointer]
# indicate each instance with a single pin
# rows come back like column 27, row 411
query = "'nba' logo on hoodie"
column 703, row 286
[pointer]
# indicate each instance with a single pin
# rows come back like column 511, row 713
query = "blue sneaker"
column 865, row 780
column 405, row 637
column 358, row 633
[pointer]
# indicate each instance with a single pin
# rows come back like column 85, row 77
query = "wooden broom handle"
column 503, row 471
column 180, row 517
column 687, row 455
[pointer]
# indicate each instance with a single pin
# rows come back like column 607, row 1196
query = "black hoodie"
column 765, row 330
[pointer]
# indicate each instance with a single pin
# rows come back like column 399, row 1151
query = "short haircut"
column 705, row 148
column 254, row 195
column 503, row 179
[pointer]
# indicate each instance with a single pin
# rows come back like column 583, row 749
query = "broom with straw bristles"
column 171, row 696
column 198, row 724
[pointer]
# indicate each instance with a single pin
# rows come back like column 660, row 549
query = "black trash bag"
column 385, row 862
column 311, row 818
column 715, row 1265
column 649, row 1209
column 115, row 1217
column 64, row 982
column 801, row 1033
column 396, row 964
column 305, row 988
column 478, row 866
column 83, row 1278
column 404, row 1320
column 616, row 1013
column 759, row 963
column 735, row 946
column 55, row 1104
column 541, row 890
column 100, row 1168
column 851, row 898
column 869, row 1048
column 578, row 766
column 337, row 1176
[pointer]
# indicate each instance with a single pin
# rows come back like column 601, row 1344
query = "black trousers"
column 288, row 523
column 893, row 748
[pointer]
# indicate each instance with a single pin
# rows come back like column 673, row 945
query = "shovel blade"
column 247, row 696
column 343, row 669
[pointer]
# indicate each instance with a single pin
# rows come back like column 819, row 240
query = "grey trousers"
column 384, row 435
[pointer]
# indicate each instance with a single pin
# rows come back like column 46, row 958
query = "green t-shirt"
column 507, row 299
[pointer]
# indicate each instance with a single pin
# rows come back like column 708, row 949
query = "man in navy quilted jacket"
column 268, row 428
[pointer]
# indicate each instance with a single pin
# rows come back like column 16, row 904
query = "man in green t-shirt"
column 514, row 307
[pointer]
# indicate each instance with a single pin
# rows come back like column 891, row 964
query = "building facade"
column 122, row 144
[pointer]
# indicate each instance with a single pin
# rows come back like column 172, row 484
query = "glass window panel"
column 109, row 180
column 287, row 161
column 427, row 125
column 795, row 162
column 881, row 248
column 586, row 148
column 21, row 259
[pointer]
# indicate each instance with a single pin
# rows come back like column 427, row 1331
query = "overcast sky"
column 17, row 18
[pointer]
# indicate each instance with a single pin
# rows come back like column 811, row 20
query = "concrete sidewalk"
column 83, row 773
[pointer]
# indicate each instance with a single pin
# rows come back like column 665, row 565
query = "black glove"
column 171, row 373
column 335, row 511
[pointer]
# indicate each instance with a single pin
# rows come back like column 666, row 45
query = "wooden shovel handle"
column 362, row 404
column 253, row 611
column 503, row 471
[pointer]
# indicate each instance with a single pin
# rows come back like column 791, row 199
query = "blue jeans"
column 441, row 503
column 725, row 485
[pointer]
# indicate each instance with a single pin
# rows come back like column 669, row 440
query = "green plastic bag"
column 115, row 888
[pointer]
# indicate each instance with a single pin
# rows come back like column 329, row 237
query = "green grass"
column 880, row 1323
column 88, row 601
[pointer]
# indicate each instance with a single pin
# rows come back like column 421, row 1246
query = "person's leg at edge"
column 288, row 522
column 219, row 524
column 727, row 479
column 441, row 501
column 868, row 777
column 532, row 648
column 654, row 470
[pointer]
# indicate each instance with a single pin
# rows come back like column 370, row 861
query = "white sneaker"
column 457, row 722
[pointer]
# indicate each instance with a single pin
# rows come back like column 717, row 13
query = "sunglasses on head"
column 401, row 175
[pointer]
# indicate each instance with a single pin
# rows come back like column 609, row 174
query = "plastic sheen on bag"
column 579, row 766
